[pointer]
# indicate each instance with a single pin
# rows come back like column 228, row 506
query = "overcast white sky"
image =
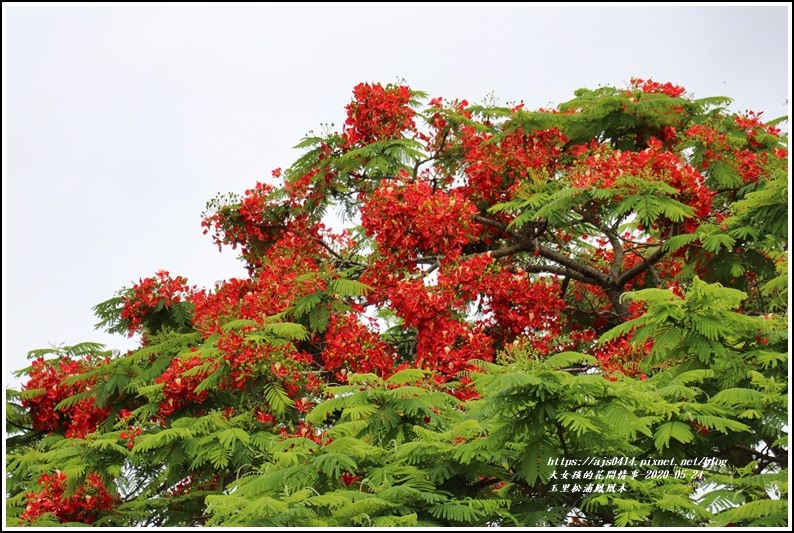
column 120, row 122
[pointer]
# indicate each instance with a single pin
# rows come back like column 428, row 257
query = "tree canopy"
column 455, row 314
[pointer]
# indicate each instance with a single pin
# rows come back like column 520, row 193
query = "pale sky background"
column 120, row 122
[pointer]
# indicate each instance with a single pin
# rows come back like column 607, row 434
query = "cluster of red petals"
column 378, row 113
column 180, row 389
column 752, row 125
column 406, row 218
column 306, row 431
column 77, row 420
column 255, row 224
column 348, row 479
column 749, row 163
column 447, row 345
column 282, row 277
column 602, row 168
column 650, row 86
column 621, row 356
column 351, row 346
column 492, row 168
column 162, row 290
column 86, row 504
column 518, row 305
column 280, row 280
column 130, row 436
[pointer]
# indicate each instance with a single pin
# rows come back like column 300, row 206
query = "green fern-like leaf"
column 672, row 430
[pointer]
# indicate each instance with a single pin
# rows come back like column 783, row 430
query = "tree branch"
column 597, row 277
column 783, row 460
column 561, row 436
column 641, row 267
column 614, row 241
column 337, row 255
column 485, row 221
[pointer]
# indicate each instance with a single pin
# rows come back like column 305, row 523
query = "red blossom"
column 378, row 113
column 352, row 346
column 180, row 389
column 90, row 501
column 650, row 86
column 348, row 479
column 408, row 217
column 49, row 377
column 263, row 417
column 150, row 295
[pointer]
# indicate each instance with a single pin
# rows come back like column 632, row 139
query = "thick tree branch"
column 614, row 241
column 617, row 261
column 561, row 436
column 485, row 221
column 597, row 277
column 504, row 252
column 782, row 460
column 641, row 267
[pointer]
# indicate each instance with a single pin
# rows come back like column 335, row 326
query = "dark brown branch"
column 419, row 163
column 617, row 261
column 641, row 267
column 561, row 436
column 495, row 224
column 782, row 460
column 596, row 276
column 655, row 275
column 617, row 248
column 504, row 252
column 578, row 369
column 337, row 255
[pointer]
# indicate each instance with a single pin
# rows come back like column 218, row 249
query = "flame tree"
column 561, row 316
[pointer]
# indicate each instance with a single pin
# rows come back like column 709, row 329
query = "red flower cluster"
column 749, row 164
column 130, row 436
column 650, row 86
column 281, row 279
column 601, row 169
column 447, row 345
column 378, row 113
column 492, row 168
column 254, row 224
column 306, row 431
column 180, row 390
column 406, row 218
column 85, row 505
column 150, row 295
column 753, row 125
column 348, row 479
column 621, row 356
column 350, row 345
column 49, row 377
column 192, row 483
column 716, row 143
column 519, row 306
